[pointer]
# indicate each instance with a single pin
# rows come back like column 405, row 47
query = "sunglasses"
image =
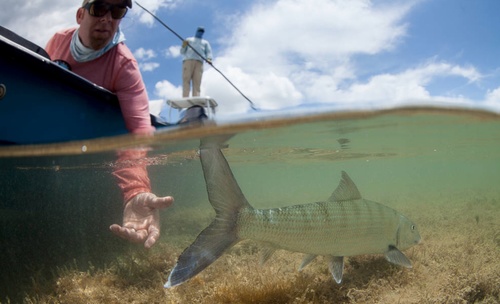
column 100, row 9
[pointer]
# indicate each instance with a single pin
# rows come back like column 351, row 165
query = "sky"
column 292, row 54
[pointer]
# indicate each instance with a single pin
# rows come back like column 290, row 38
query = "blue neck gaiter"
column 199, row 34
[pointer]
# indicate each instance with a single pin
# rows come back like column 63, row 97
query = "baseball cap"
column 127, row 2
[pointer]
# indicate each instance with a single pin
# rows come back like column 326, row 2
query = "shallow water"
column 440, row 168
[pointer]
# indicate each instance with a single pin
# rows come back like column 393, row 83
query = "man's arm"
column 208, row 52
column 133, row 98
column 141, row 208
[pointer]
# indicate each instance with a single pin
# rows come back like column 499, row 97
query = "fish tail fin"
column 215, row 141
column 227, row 199
column 208, row 247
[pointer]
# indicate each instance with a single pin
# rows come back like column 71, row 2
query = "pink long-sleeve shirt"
column 131, row 173
column 117, row 71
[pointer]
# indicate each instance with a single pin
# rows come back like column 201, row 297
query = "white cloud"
column 32, row 20
column 152, row 6
column 165, row 90
column 493, row 96
column 148, row 66
column 272, row 92
column 288, row 52
column 492, row 100
column 173, row 51
column 38, row 20
column 407, row 85
column 288, row 32
column 268, row 91
column 143, row 54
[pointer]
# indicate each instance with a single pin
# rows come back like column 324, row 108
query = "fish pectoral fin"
column 395, row 256
column 266, row 254
column 345, row 191
column 307, row 259
column 336, row 266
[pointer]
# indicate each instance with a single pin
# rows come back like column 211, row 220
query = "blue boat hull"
column 41, row 102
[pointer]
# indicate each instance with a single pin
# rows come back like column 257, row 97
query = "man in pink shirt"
column 95, row 51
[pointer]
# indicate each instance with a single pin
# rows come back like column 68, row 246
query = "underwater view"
column 438, row 167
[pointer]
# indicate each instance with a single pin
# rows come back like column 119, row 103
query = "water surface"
column 440, row 168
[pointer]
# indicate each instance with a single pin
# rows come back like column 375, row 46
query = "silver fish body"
column 344, row 225
column 345, row 228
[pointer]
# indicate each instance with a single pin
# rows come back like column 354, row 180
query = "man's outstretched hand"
column 141, row 218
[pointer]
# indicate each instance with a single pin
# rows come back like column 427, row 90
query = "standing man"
column 95, row 51
column 192, row 65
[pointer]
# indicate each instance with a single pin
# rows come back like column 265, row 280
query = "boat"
column 42, row 102
column 192, row 109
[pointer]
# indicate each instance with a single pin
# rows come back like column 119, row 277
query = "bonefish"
column 344, row 225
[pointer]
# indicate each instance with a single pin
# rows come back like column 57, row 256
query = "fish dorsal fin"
column 346, row 190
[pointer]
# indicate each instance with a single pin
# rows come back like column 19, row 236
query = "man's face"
column 97, row 32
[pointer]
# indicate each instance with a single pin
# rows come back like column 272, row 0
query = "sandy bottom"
column 457, row 262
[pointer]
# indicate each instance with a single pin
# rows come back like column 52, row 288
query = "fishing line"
column 203, row 57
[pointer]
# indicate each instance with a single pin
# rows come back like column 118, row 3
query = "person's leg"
column 187, row 74
column 197, row 73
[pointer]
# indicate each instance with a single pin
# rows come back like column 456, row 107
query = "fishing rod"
column 203, row 57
